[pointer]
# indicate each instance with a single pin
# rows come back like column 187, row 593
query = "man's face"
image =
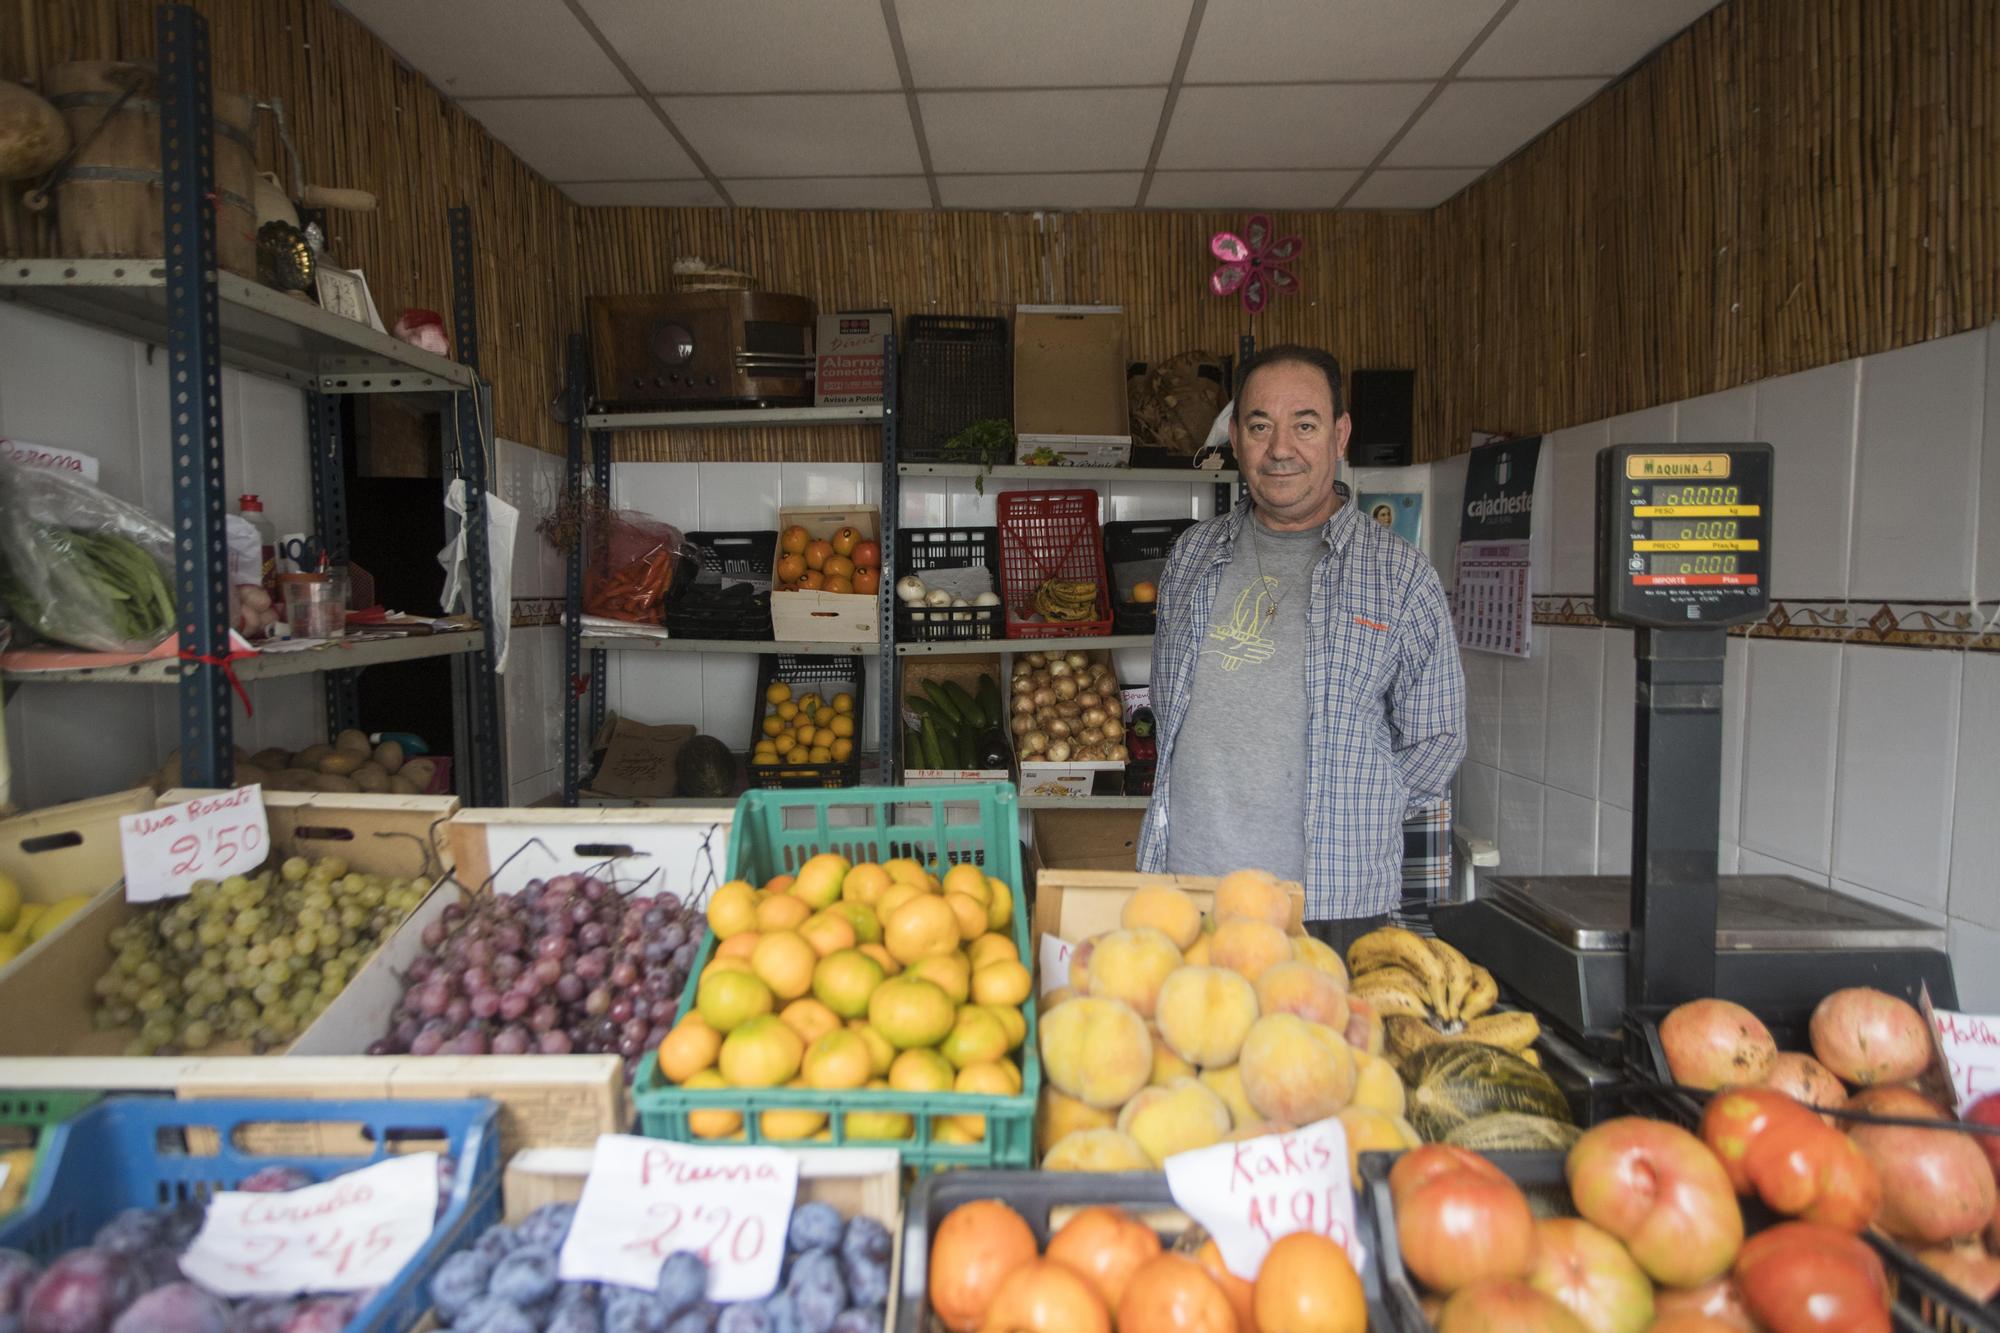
column 1289, row 443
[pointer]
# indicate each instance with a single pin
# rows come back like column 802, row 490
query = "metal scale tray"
column 1593, row 912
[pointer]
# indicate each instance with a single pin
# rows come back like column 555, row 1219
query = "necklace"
column 1264, row 580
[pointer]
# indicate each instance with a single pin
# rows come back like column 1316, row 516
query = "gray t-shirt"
column 1239, row 764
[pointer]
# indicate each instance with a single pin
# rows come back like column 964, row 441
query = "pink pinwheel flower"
column 1253, row 264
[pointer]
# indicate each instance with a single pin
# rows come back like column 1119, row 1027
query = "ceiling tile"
column 1425, row 187
column 832, row 192
column 1579, row 36
column 584, row 138
column 514, row 48
column 643, row 194
column 1288, row 125
column 750, row 46
column 1272, row 41
column 1041, row 43
column 1478, row 124
column 806, row 135
column 1097, row 189
column 1249, row 189
column 1072, row 130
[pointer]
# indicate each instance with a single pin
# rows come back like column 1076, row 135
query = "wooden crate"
column 827, row 616
column 1073, row 905
column 64, row 850
column 965, row 673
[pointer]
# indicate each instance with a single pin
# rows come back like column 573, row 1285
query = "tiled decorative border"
column 531, row 612
column 1972, row 627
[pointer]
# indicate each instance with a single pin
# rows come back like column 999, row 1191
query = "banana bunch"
column 1067, row 599
column 1437, row 992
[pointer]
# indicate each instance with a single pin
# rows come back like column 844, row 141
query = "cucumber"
column 942, row 699
column 968, row 751
column 913, row 749
column 967, row 709
column 933, row 755
column 989, row 701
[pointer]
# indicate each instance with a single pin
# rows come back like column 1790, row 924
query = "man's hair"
column 1291, row 354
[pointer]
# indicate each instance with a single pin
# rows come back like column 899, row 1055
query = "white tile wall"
column 1524, row 712
column 1916, row 487
column 1576, row 707
column 1791, row 726
column 1614, row 752
column 1521, row 814
column 1898, row 765
column 1975, row 831
column 1808, row 419
column 1569, row 463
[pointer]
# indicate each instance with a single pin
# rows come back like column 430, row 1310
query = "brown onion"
column 1058, row 751
column 1022, row 724
column 1034, row 743
column 1038, row 660
column 1058, row 669
column 1120, row 755
column 1022, row 685
column 1114, row 730
column 1065, row 688
column 1093, row 716
column 1044, row 697
column 1078, row 661
column 1068, row 712
column 1022, row 666
column 1090, row 736
column 1090, row 698
column 1058, row 729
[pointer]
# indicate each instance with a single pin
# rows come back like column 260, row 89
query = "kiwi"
column 342, row 762
column 334, row 782
column 370, row 777
column 310, row 756
column 354, row 742
column 389, row 755
column 419, row 771
column 271, row 760
column 402, row 786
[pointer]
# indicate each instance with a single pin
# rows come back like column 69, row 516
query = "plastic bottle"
column 252, row 509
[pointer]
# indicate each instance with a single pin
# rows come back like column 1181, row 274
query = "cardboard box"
column 1069, row 372
column 965, row 673
column 826, row 616
column 852, row 350
column 1073, row 905
column 639, row 758
column 1087, row 839
column 64, row 850
column 1071, row 777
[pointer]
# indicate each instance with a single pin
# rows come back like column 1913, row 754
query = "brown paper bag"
column 639, row 759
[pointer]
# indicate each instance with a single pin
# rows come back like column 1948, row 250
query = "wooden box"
column 965, row 672
column 826, row 616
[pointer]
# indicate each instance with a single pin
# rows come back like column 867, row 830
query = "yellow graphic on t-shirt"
column 1242, row 639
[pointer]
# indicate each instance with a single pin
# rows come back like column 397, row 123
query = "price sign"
column 646, row 1199
column 1971, row 1046
column 167, row 850
column 1055, row 963
column 1250, row 1194
column 353, row 1232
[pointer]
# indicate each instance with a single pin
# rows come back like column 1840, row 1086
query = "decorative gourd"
column 1454, row 1082
column 1514, row 1131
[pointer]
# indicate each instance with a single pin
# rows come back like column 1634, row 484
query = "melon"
column 1455, row 1082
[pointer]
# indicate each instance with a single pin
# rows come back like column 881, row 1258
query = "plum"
column 325, row 1314
column 496, row 1242
column 701, row 1319
column 493, row 1314
column 859, row 1320
column 459, row 1281
column 262, row 1314
column 547, row 1226
column 815, row 1226
column 17, row 1273
column 629, row 1310
column 180, row 1224
column 82, row 1292
column 744, row 1318
column 683, row 1282
column 816, row 1291
column 525, row 1277
column 274, row 1180
column 132, row 1230
column 575, row 1310
column 178, row 1307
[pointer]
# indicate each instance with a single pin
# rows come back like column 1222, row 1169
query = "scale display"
column 1683, row 534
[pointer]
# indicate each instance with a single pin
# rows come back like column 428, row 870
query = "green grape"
column 280, row 948
column 295, row 868
column 197, row 1035
column 311, row 918
column 105, row 986
column 153, row 999
column 266, row 992
column 300, row 1001
column 277, row 972
column 306, row 942
column 212, row 931
column 141, row 1045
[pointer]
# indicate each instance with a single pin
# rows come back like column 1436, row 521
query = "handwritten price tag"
column 353, row 1232
column 646, row 1199
column 1055, row 963
column 1250, row 1194
column 167, row 850
column 1971, row 1046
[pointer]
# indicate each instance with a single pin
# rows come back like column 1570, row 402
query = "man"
column 1306, row 682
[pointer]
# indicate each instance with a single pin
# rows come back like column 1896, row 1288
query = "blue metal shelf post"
column 889, row 702
column 574, row 403
column 481, row 738
column 600, row 660
column 329, row 502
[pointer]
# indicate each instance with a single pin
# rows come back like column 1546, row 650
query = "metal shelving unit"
column 207, row 319
column 660, row 643
column 1058, row 475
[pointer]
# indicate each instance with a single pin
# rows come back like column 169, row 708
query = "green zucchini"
column 933, row 755
column 989, row 701
column 967, row 709
column 942, row 699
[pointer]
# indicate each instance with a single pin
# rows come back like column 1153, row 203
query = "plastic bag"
column 82, row 567
column 635, row 567
column 502, row 520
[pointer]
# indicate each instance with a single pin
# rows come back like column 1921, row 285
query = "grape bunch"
column 567, row 965
column 835, row 1279
column 249, row 958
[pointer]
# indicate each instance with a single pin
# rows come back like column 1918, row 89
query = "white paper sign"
column 348, row 1234
column 49, row 456
column 168, row 849
column 1971, row 1046
column 646, row 1199
column 1055, row 963
column 1250, row 1194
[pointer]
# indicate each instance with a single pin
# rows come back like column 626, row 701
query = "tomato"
column 1419, row 1165
column 1660, row 1190
column 1460, row 1226
column 1803, row 1277
column 1779, row 1150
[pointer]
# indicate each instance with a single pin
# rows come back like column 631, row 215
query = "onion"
column 1058, row 751
column 1041, row 679
column 1065, row 688
column 1711, row 1043
column 1078, row 660
column 1021, row 667
column 1120, row 755
column 1038, row 660
column 1058, row 669
column 1044, row 697
column 1090, row 736
column 1114, row 730
column 1090, row 698
column 1093, row 716
column 1024, row 689
column 1868, row 1036
column 1068, row 712
column 1024, row 706
column 1059, row 729
column 1034, row 743
column 1021, row 724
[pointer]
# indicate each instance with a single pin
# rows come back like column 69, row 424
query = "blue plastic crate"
column 133, row 1152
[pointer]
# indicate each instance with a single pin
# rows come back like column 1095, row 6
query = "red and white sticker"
column 347, row 1234
column 51, row 457
column 1250, row 1194
column 646, row 1199
column 168, row 849
column 1055, row 956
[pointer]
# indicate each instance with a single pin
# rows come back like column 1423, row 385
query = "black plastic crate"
column 957, row 369
column 827, row 676
column 1140, row 541
column 919, row 550
column 731, row 595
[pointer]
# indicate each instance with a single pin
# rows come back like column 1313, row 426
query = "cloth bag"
column 502, row 520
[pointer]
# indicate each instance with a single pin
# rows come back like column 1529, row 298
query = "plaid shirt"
column 1387, row 724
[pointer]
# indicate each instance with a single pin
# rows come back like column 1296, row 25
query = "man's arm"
column 1171, row 601
column 1427, row 702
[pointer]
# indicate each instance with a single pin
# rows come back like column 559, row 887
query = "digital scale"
column 1683, row 552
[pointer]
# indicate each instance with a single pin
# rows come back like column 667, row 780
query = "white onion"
column 937, row 597
column 1113, row 729
column 910, row 588
column 1077, row 661
column 1034, row 743
column 1090, row 735
column 1120, row 755
column 1059, row 729
column 1023, row 687
column 987, row 599
column 1021, row 724
column 1092, row 716
column 1058, row 751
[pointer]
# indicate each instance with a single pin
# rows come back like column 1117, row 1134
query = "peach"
column 1097, row 1150
column 1227, row 1083
column 1377, row 1085
column 1204, row 1013
column 1164, row 908
column 1302, row 989
column 1320, row 954
column 1364, row 1031
column 1293, row 1071
column 1246, row 945
column 1060, row 1115
column 1166, row 1065
column 1129, row 965
column 1256, row 894
column 1178, row 1118
column 1374, row 1131
column 1196, row 954
column 1096, row 1050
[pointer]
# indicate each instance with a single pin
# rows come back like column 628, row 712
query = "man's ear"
column 1342, row 429
column 1232, row 434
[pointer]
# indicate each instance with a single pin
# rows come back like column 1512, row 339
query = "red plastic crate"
column 1050, row 535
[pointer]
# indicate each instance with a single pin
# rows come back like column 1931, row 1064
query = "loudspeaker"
column 1381, row 403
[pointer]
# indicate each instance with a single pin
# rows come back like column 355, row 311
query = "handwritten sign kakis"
column 646, row 1199
column 1250, row 1194
column 168, row 849
column 347, row 1234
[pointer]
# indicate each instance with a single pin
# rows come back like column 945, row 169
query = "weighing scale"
column 1683, row 552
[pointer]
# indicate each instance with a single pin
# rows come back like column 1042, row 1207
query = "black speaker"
column 1381, row 403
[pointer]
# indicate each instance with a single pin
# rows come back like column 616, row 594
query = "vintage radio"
column 702, row 349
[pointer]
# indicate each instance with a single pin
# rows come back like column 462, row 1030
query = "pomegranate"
column 1586, row 1268
column 1806, row 1081
column 1986, row 1111
column 1714, row 1043
column 1660, row 1190
column 1936, row 1183
column 1867, row 1036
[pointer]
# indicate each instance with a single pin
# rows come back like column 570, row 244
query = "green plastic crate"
column 33, row 1112
column 774, row 833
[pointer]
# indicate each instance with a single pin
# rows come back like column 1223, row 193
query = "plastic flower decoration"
column 1253, row 264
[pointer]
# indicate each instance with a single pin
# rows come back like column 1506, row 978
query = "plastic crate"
column 775, row 833
column 30, row 1115
column 957, row 369
column 133, row 1152
column 1044, row 1199
column 731, row 596
column 1142, row 542
column 1050, row 535
column 828, row 676
column 919, row 550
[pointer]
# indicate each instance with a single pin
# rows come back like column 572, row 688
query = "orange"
column 1307, row 1285
column 819, row 879
column 1173, row 1292
column 728, row 1000
column 809, row 1018
column 827, row 932
column 784, row 962
column 949, row 972
column 732, row 909
column 712, row 1124
column 921, row 927
column 1104, row 1246
column 1242, row 1296
column 1004, row 982
column 890, row 967
column 687, row 1050
column 781, row 911
column 844, row 980
column 970, row 913
column 740, row 945
column 840, row 1059
column 864, row 883
column 975, row 1249
column 910, row 1012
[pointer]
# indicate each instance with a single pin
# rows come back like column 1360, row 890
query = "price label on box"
column 646, row 1199
column 1055, row 956
column 350, row 1233
column 168, row 849
column 1250, row 1194
column 1971, row 1047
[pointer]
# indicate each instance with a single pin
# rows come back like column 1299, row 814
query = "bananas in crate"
column 1067, row 599
column 1428, row 992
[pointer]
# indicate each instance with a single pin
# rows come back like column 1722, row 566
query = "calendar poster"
column 1491, row 601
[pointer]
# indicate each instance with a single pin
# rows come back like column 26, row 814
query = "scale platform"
column 1559, row 943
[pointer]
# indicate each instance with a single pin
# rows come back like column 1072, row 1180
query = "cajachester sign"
column 1490, row 600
